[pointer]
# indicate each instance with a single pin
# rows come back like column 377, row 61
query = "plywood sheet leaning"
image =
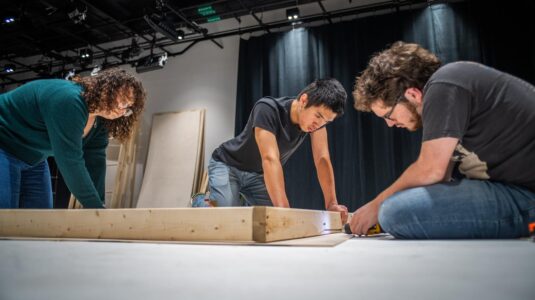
column 199, row 167
column 223, row 224
column 172, row 166
column 170, row 224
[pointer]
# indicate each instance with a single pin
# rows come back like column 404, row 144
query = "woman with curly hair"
column 70, row 120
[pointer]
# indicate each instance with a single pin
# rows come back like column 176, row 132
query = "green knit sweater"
column 47, row 118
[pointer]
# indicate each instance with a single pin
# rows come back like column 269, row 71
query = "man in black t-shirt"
column 251, row 163
column 475, row 174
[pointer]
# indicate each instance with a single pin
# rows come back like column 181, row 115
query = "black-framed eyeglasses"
column 389, row 113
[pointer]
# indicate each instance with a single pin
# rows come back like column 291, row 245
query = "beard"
column 416, row 119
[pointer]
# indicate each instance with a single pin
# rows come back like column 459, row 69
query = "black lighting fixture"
column 292, row 13
column 163, row 25
column 86, row 56
column 151, row 62
column 96, row 69
column 180, row 34
column 77, row 12
column 69, row 74
column 9, row 68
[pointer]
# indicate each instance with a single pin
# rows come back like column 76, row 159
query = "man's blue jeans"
column 461, row 209
column 226, row 183
column 23, row 185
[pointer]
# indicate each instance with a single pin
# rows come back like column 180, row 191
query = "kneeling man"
column 477, row 122
column 251, row 163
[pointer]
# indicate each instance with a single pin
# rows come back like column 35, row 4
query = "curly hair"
column 391, row 72
column 100, row 93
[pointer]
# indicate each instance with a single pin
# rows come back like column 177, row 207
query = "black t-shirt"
column 491, row 113
column 272, row 115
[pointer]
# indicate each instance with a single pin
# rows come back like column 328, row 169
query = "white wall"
column 204, row 77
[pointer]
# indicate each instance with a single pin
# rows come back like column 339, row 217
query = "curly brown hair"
column 391, row 72
column 100, row 93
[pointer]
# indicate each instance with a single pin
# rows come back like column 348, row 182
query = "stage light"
column 95, row 70
column 9, row 68
column 292, row 13
column 70, row 74
column 86, row 56
column 9, row 20
column 180, row 34
column 151, row 62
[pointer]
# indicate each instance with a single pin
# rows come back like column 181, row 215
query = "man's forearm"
column 414, row 176
column 326, row 179
column 274, row 179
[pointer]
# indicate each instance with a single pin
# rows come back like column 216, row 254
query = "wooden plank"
column 74, row 203
column 173, row 224
column 204, row 183
column 276, row 223
column 259, row 224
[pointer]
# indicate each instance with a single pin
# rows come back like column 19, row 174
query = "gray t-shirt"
column 272, row 115
column 492, row 114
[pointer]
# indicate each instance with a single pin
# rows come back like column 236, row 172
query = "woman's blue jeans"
column 23, row 185
column 461, row 209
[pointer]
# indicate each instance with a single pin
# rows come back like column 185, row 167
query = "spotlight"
column 86, row 56
column 9, row 20
column 292, row 13
column 180, row 34
column 9, row 68
column 95, row 70
column 70, row 74
column 151, row 62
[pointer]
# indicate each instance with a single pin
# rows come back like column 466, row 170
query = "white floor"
column 360, row 268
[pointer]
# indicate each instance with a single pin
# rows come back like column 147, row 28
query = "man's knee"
column 402, row 209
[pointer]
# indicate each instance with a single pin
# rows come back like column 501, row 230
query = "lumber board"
column 276, row 223
column 173, row 224
column 126, row 164
column 258, row 224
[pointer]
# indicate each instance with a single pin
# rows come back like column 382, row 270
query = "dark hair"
column 101, row 91
column 327, row 92
column 391, row 72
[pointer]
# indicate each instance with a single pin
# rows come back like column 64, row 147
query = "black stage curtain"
column 368, row 156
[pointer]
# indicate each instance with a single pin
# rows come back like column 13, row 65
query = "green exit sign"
column 213, row 19
column 206, row 10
